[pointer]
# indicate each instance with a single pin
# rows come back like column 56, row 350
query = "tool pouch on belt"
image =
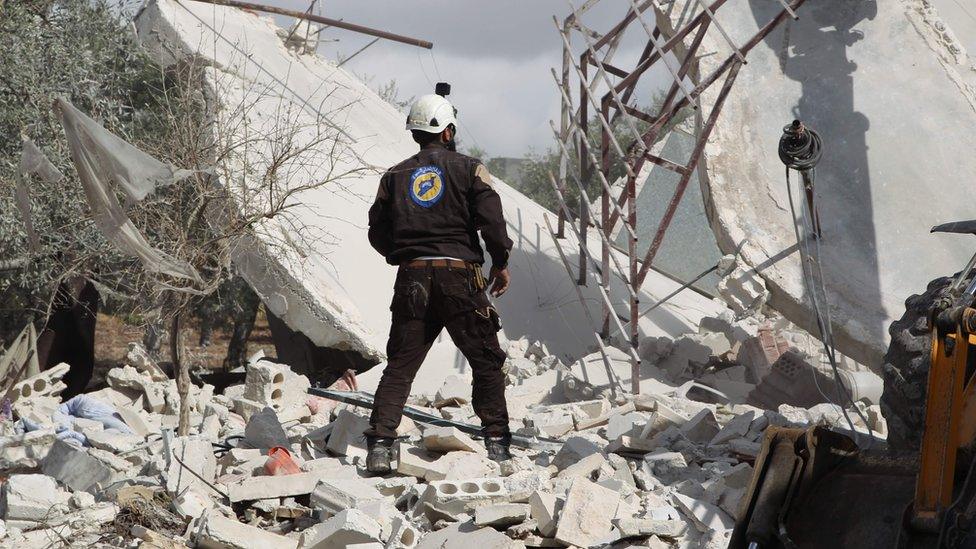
column 479, row 277
column 464, row 293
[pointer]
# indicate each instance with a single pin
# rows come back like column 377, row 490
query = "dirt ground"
column 113, row 334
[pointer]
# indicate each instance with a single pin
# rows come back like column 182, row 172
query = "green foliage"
column 86, row 52
column 536, row 167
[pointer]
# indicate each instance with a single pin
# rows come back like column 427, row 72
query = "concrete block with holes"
column 46, row 383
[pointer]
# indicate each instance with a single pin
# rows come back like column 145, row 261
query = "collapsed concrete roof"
column 891, row 92
column 337, row 293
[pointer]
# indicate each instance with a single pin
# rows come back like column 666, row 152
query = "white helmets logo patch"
column 427, row 186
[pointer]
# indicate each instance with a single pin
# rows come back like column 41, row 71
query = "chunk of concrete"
column 454, row 391
column 544, row 508
column 737, row 427
column 135, row 420
column 267, row 487
column 114, row 441
column 27, row 450
column 417, row 462
column 465, row 535
column 702, row 428
column 403, row 535
column 662, row 418
column 346, row 528
column 501, row 515
column 463, row 465
column 139, row 358
column 705, row 516
column 574, row 449
column 335, row 495
column 449, row 439
column 584, row 467
column 625, row 424
column 45, row 384
column 32, row 498
column 634, row 527
column 461, row 496
column 743, row 290
column 585, row 517
column 81, row 469
column 346, row 438
column 219, row 532
column 197, row 456
column 631, row 445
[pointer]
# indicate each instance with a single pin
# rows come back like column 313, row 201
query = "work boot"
column 379, row 453
column 498, row 448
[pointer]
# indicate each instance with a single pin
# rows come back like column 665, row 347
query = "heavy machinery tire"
column 906, row 369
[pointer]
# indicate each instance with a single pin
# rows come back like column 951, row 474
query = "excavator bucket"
column 816, row 488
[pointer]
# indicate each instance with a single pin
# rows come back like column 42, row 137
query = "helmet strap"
column 451, row 144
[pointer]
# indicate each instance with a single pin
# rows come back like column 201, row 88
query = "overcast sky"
column 496, row 55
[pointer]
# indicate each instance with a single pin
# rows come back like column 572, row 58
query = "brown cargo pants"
column 425, row 300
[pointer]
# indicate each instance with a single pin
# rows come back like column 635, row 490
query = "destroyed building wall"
column 337, row 292
column 890, row 90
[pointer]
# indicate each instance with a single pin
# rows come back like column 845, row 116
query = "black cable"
column 800, row 148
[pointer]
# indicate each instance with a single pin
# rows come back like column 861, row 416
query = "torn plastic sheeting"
column 20, row 358
column 101, row 157
column 32, row 162
column 134, row 171
column 364, row 399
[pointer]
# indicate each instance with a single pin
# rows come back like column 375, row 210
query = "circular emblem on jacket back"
column 427, row 186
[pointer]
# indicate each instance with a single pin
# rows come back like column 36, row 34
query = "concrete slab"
column 896, row 124
column 337, row 291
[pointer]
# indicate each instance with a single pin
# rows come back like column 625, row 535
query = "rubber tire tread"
column 906, row 369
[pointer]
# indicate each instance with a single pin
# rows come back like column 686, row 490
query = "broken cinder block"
column 585, row 517
column 47, row 384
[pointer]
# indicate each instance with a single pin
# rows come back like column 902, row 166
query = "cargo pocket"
column 410, row 297
column 461, row 297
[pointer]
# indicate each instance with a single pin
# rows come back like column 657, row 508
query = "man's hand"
column 499, row 279
column 349, row 376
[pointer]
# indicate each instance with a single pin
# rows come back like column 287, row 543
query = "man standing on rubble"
column 426, row 218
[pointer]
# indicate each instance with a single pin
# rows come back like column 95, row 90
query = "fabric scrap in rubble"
column 101, row 157
column 80, row 406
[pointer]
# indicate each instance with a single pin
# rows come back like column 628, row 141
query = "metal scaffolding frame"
column 609, row 91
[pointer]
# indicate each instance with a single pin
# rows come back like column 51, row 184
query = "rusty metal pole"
column 564, row 129
column 585, row 170
column 604, row 217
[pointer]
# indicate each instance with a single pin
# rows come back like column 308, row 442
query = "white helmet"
column 432, row 114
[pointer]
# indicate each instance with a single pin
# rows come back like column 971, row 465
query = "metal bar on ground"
column 324, row 20
column 680, row 289
column 365, row 400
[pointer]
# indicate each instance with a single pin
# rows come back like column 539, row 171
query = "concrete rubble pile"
column 267, row 465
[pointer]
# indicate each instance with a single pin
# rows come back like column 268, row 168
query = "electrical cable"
column 801, row 149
